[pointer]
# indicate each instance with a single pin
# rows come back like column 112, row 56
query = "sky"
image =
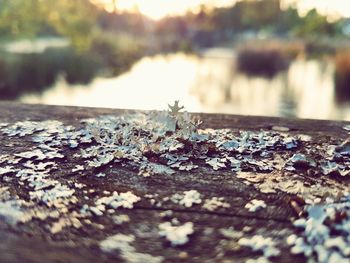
column 157, row 9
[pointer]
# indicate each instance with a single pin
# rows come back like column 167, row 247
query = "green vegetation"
column 117, row 52
column 266, row 17
column 32, row 18
column 92, row 48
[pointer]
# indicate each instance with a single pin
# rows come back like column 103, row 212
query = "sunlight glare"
column 157, row 9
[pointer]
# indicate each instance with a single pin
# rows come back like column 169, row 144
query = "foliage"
column 116, row 51
column 314, row 24
column 20, row 17
column 73, row 19
column 92, row 49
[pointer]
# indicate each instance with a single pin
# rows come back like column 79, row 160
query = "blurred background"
column 288, row 58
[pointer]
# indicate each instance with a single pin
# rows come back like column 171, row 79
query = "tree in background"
column 313, row 24
column 18, row 17
column 28, row 18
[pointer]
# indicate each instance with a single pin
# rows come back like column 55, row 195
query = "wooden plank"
column 32, row 241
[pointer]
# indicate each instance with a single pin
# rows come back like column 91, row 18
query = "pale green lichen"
column 176, row 235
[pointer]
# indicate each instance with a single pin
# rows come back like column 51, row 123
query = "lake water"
column 208, row 83
column 38, row 45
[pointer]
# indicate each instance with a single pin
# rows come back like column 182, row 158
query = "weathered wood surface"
column 33, row 242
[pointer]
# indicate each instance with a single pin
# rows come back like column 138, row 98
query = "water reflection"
column 208, row 83
column 39, row 45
